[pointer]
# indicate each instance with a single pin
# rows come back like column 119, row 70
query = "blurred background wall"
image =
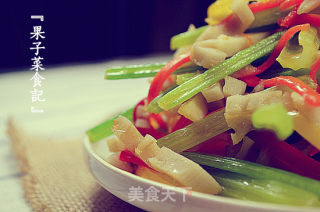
column 85, row 31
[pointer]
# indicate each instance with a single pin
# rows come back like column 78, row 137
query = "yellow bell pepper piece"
column 219, row 10
column 309, row 42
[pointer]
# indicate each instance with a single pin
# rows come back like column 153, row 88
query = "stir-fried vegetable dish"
column 236, row 112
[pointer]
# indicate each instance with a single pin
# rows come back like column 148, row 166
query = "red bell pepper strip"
column 163, row 74
column 288, row 21
column 310, row 95
column 289, row 3
column 261, row 6
column 251, row 81
column 312, row 19
column 295, row 84
column 284, row 156
column 294, row 19
column 275, row 53
column 128, row 156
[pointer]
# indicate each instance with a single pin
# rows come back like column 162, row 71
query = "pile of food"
column 236, row 112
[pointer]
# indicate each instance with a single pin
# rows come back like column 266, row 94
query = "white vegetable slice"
column 262, row 98
column 147, row 148
column 228, row 44
column 250, row 102
column 195, row 108
column 127, row 133
column 113, row 159
column 213, row 93
column 206, row 57
column 143, row 123
column 241, row 123
column 142, row 112
column 114, row 144
column 156, row 176
column 244, row 13
column 309, row 111
column 179, row 169
column 240, row 107
column 210, row 52
column 185, row 171
column 233, row 86
column 212, row 32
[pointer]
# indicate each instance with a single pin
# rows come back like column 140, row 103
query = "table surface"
column 77, row 97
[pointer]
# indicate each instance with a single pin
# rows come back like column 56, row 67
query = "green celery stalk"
column 262, row 190
column 181, row 78
column 195, row 133
column 213, row 75
column 140, row 71
column 153, row 106
column 103, row 130
column 255, row 170
column 186, row 38
column 132, row 71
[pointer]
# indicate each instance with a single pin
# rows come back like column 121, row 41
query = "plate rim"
column 227, row 200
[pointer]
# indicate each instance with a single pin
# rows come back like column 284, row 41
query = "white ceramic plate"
column 119, row 182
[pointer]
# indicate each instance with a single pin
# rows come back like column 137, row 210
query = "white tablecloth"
column 77, row 97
